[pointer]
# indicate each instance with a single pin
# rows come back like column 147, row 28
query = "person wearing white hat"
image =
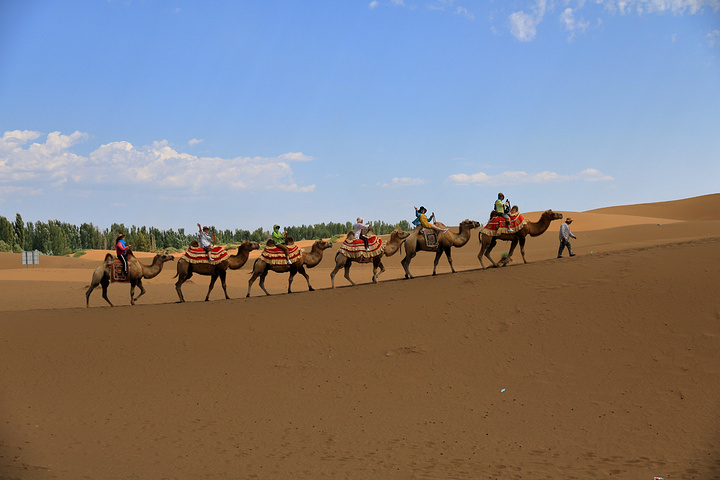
column 360, row 227
column 565, row 235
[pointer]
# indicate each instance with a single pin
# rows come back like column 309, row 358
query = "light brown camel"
column 487, row 242
column 397, row 237
column 446, row 240
column 309, row 259
column 186, row 269
column 136, row 272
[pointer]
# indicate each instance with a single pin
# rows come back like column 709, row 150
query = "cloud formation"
column 158, row 165
column 403, row 182
column 519, row 177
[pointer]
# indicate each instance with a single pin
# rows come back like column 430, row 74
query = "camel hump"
column 440, row 224
column 109, row 258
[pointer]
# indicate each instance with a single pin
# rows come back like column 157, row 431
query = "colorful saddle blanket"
column 117, row 271
column 355, row 248
column 198, row 255
column 275, row 256
column 431, row 239
column 497, row 225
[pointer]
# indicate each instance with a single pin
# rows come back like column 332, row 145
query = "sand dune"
column 600, row 366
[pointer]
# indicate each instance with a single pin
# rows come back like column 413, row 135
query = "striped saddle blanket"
column 198, row 255
column 275, row 256
column 355, row 248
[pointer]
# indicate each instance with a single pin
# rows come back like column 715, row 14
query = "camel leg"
column 132, row 289
column 213, row 278
column 224, row 285
column 262, row 281
column 347, row 272
column 522, row 249
column 448, row 254
column 377, row 265
column 513, row 244
column 302, row 271
column 406, row 263
column 105, row 282
column 250, row 282
column 489, row 249
column 481, row 254
column 178, row 288
column 338, row 265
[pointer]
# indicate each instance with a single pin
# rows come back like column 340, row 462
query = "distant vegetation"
column 59, row 238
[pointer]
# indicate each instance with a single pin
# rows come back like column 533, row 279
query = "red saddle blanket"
column 198, row 255
column 117, row 271
column 275, row 256
column 355, row 248
column 498, row 225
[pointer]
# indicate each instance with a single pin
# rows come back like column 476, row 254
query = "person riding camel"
column 122, row 250
column 360, row 229
column 206, row 241
column 279, row 239
column 422, row 218
column 502, row 209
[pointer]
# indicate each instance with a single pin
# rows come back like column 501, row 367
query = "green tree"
column 7, row 232
column 19, row 227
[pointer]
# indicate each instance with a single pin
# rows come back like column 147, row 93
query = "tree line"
column 61, row 238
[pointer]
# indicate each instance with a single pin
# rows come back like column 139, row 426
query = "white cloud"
column 567, row 17
column 373, row 4
column 523, row 26
column 713, row 38
column 465, row 13
column 157, row 165
column 403, row 182
column 520, row 177
column 195, row 141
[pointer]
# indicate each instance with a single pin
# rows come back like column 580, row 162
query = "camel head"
column 248, row 246
column 164, row 257
column 550, row 215
column 471, row 224
column 399, row 234
column 321, row 245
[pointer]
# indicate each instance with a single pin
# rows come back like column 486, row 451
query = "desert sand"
column 604, row 365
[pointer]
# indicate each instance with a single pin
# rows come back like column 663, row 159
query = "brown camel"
column 487, row 242
column 186, row 269
column 397, row 237
column 446, row 240
column 309, row 259
column 136, row 272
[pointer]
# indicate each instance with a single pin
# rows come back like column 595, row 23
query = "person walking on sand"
column 206, row 241
column 279, row 239
column 565, row 235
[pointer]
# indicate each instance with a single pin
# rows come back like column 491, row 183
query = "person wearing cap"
column 565, row 235
column 502, row 208
column 279, row 239
column 206, row 241
column 122, row 250
column 423, row 220
column 360, row 228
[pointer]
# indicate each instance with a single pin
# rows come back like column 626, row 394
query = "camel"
column 186, row 269
column 136, row 272
column 309, row 259
column 487, row 242
column 446, row 240
column 397, row 237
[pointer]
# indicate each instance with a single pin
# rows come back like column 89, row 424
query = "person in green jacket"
column 502, row 207
column 279, row 238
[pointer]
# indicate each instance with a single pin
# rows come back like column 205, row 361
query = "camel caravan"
column 361, row 246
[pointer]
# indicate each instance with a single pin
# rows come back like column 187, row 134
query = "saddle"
column 497, row 226
column 275, row 256
column 195, row 254
column 431, row 235
column 355, row 248
column 117, row 271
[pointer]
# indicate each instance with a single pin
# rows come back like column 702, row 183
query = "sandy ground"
column 604, row 365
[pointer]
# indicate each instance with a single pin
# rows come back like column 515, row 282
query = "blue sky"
column 242, row 114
